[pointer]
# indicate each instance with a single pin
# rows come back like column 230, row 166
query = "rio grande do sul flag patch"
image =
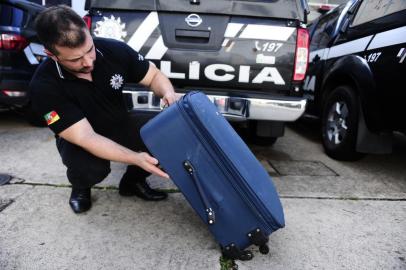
column 51, row 117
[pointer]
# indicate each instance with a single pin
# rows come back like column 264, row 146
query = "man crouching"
column 78, row 90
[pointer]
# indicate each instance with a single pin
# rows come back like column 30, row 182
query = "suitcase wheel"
column 235, row 253
column 264, row 249
column 258, row 238
column 246, row 255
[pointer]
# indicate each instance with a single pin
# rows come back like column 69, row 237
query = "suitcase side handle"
column 211, row 217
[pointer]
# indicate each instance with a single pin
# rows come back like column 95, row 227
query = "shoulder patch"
column 51, row 117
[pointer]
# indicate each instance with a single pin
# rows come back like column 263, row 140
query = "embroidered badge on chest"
column 116, row 81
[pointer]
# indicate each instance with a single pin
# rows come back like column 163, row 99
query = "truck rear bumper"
column 287, row 109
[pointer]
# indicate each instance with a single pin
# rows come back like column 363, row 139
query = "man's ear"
column 51, row 55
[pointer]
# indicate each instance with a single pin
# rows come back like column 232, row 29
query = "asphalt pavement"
column 339, row 215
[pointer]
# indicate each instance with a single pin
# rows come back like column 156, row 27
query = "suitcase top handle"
column 211, row 217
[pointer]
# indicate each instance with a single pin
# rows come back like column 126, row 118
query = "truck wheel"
column 340, row 124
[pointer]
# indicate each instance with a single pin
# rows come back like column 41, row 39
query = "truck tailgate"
column 224, row 51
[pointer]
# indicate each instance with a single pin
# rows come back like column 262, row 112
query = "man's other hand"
column 149, row 164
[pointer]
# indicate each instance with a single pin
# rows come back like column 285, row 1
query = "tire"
column 340, row 124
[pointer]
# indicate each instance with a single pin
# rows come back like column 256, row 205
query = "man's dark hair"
column 60, row 25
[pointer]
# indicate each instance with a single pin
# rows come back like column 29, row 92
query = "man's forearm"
column 105, row 148
column 161, row 85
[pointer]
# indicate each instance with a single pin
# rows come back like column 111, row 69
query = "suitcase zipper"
column 229, row 171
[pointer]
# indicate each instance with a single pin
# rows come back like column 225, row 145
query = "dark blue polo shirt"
column 63, row 99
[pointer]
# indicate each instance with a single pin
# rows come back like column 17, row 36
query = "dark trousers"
column 85, row 170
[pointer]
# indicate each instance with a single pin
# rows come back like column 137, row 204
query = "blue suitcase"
column 217, row 173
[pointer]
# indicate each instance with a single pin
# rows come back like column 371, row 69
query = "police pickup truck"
column 355, row 79
column 249, row 57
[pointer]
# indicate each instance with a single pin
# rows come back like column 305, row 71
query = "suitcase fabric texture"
column 217, row 173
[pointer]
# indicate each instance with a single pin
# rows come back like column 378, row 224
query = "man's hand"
column 170, row 98
column 149, row 164
column 160, row 85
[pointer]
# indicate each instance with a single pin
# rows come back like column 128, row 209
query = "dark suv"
column 20, row 53
column 355, row 77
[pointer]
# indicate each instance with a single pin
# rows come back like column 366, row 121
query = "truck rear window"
column 11, row 16
column 374, row 9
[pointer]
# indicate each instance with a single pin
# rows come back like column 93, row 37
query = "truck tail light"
column 325, row 8
column 12, row 42
column 88, row 21
column 12, row 93
column 302, row 54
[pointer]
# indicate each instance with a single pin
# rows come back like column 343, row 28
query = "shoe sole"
column 126, row 194
column 129, row 194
